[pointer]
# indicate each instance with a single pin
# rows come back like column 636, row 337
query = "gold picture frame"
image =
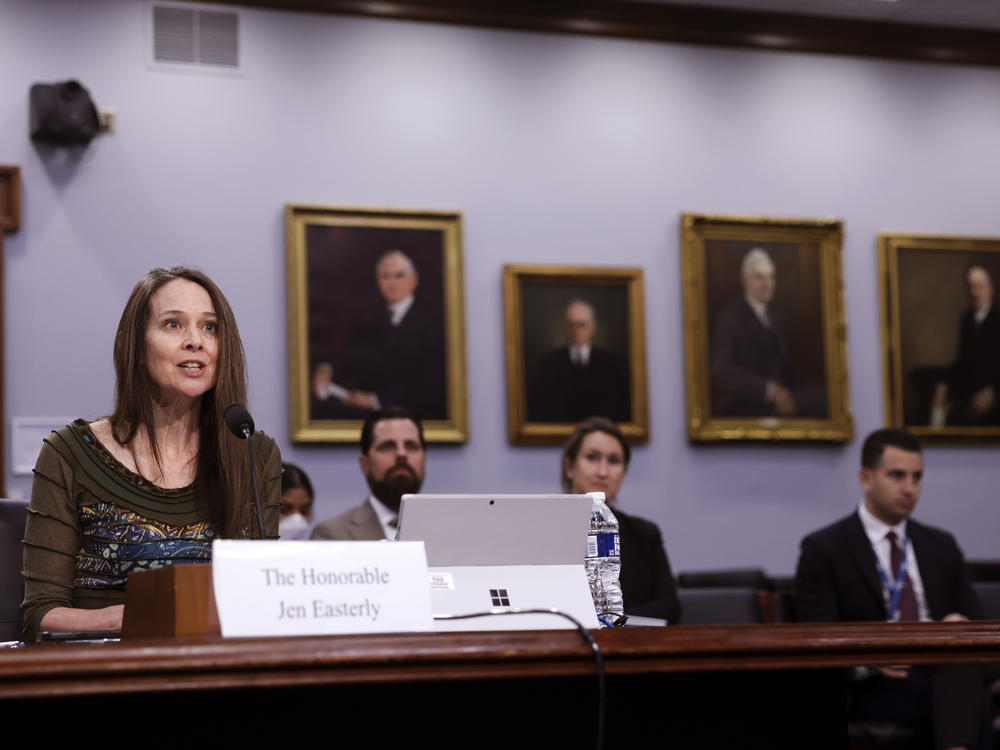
column 750, row 375
column 932, row 338
column 10, row 198
column 547, row 393
column 355, row 342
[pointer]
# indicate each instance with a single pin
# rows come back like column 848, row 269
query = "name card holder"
column 176, row 601
column 320, row 588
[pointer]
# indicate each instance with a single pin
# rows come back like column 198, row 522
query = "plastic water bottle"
column 603, row 562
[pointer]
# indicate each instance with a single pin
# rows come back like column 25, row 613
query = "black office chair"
column 12, row 517
column 983, row 570
column 726, row 578
column 783, row 598
column 989, row 596
column 722, row 606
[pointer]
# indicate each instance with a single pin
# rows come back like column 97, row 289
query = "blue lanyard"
column 895, row 588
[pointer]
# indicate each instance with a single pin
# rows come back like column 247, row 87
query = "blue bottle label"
column 603, row 545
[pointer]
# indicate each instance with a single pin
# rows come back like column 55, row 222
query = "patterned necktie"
column 908, row 610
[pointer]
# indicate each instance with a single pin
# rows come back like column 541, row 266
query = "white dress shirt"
column 580, row 354
column 877, row 531
column 398, row 310
column 760, row 310
column 981, row 313
column 385, row 517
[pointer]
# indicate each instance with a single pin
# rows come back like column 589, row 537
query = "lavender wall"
column 556, row 150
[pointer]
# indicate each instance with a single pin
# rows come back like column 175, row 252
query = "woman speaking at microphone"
column 594, row 459
column 154, row 483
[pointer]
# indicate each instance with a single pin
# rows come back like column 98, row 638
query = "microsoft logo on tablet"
column 499, row 597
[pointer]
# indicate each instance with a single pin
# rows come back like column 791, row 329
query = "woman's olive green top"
column 92, row 521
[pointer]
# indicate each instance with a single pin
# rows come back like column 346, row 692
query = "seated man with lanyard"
column 880, row 565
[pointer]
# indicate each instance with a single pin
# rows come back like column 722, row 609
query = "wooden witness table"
column 741, row 686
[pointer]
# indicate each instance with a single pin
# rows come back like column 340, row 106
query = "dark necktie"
column 908, row 610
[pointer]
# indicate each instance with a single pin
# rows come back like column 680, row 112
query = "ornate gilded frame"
column 10, row 198
column 580, row 278
column 921, row 280
column 305, row 427
column 10, row 221
column 817, row 245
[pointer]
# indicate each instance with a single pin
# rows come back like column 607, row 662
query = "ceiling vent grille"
column 183, row 35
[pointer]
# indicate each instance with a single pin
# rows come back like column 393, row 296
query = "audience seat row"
column 748, row 595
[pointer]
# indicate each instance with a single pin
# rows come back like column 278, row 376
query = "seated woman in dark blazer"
column 594, row 460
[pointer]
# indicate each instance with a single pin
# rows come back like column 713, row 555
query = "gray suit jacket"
column 358, row 524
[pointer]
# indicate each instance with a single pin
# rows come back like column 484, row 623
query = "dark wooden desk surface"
column 53, row 670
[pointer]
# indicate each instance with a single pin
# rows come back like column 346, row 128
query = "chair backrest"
column 983, row 570
column 729, row 578
column 989, row 597
column 783, row 598
column 12, row 517
column 721, row 606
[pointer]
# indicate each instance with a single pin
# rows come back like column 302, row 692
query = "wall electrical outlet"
column 107, row 117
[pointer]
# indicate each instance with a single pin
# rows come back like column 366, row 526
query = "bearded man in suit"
column 392, row 462
column 878, row 564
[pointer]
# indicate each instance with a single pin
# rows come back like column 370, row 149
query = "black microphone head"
column 238, row 420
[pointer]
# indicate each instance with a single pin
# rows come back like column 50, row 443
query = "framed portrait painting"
column 575, row 340
column 764, row 329
column 10, row 198
column 375, row 319
column 941, row 335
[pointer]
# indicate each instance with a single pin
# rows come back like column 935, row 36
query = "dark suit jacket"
column 559, row 391
column 404, row 365
column 357, row 524
column 745, row 355
column 648, row 586
column 976, row 366
column 837, row 580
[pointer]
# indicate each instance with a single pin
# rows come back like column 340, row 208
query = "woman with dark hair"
column 296, row 503
column 594, row 459
column 158, row 480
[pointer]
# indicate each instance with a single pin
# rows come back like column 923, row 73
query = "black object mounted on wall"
column 63, row 113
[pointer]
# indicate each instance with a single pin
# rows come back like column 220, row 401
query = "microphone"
column 240, row 423
column 238, row 420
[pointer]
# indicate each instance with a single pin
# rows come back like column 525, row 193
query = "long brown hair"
column 223, row 467
column 572, row 447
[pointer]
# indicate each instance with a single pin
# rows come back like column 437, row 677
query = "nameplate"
column 320, row 588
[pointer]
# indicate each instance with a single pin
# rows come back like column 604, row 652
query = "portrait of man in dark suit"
column 765, row 339
column 396, row 358
column 968, row 394
column 942, row 335
column 578, row 379
column 756, row 369
column 377, row 324
column 576, row 348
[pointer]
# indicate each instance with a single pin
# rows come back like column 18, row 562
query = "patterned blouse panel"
column 115, row 541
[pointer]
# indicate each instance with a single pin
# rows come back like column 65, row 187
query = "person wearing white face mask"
column 296, row 503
